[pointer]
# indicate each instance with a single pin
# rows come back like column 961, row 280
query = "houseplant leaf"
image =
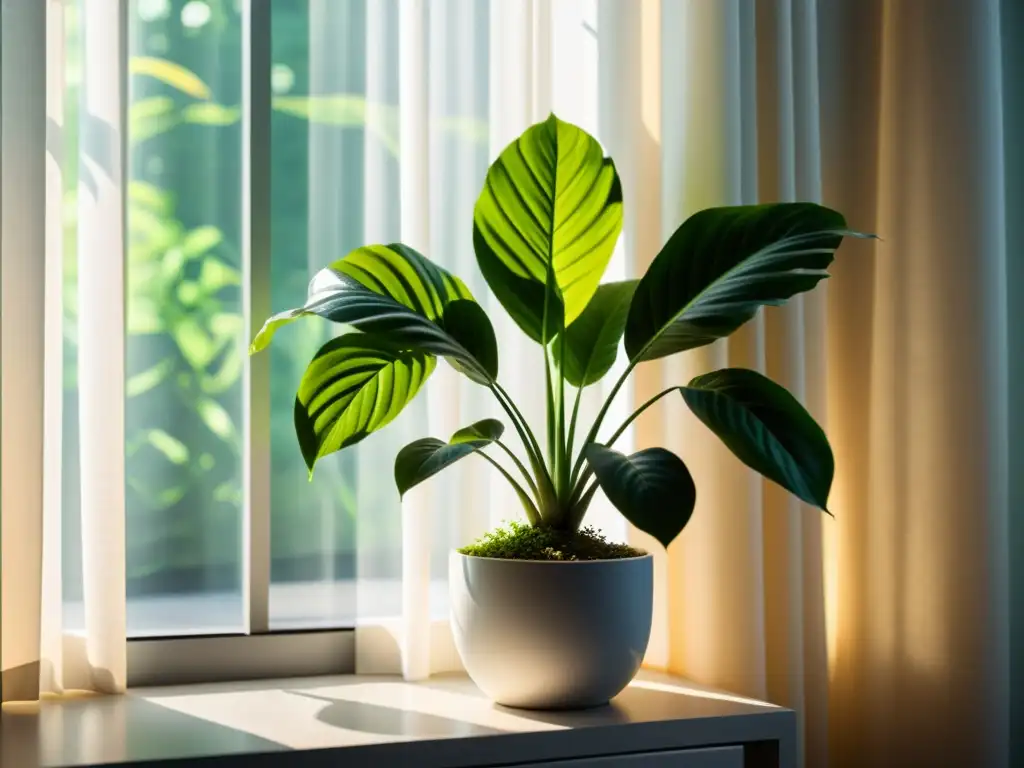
column 424, row 458
column 592, row 341
column 721, row 265
column 766, row 428
column 545, row 225
column 393, row 291
column 356, row 384
column 652, row 488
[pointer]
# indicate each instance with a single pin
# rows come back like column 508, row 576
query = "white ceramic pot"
column 551, row 635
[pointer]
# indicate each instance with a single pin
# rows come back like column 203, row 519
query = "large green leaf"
column 766, row 428
column 721, row 265
column 356, row 384
column 652, row 488
column 393, row 291
column 592, row 341
column 545, row 225
column 424, row 458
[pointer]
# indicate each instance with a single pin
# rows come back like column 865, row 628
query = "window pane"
column 335, row 180
column 185, row 335
column 318, row 145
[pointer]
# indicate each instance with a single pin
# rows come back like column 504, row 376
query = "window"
column 331, row 90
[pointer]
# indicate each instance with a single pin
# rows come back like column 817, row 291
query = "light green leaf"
column 142, row 382
column 200, row 240
column 194, row 342
column 396, row 293
column 767, row 429
column 592, row 341
column 346, row 110
column 209, row 113
column 227, row 373
column 545, row 225
column 144, row 316
column 422, row 459
column 652, row 488
column 173, row 449
column 150, row 117
column 188, row 292
column 226, row 325
column 216, row 418
column 215, row 274
column 356, row 384
column 721, row 266
column 172, row 74
column 151, row 197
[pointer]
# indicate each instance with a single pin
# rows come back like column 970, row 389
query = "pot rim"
column 605, row 561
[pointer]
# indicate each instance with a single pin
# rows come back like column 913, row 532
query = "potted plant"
column 546, row 615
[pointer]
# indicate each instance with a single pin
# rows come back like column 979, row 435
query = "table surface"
column 375, row 721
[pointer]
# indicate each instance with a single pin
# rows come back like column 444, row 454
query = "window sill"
column 443, row 722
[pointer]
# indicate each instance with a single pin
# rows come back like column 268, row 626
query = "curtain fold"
column 41, row 651
column 918, row 344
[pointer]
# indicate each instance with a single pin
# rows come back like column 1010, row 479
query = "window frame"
column 258, row 653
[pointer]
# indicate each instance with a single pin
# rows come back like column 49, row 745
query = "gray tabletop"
column 443, row 722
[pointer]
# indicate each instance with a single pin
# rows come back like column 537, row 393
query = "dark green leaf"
column 485, row 429
column 466, row 321
column 356, row 384
column 545, row 225
column 396, row 293
column 767, row 429
column 426, row 457
column 592, row 341
column 721, row 265
column 652, row 488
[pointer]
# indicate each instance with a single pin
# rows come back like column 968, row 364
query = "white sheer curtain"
column 38, row 654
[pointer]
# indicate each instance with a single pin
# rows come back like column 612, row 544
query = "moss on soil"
column 521, row 541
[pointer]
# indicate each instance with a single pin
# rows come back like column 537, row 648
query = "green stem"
column 522, row 468
column 549, row 406
column 578, row 486
column 545, row 489
column 618, row 433
column 600, row 417
column 526, row 435
column 531, row 509
column 572, row 423
column 578, row 508
column 562, row 467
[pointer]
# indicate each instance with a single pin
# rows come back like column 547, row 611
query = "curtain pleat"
column 39, row 654
column 918, row 406
column 101, row 341
column 22, row 280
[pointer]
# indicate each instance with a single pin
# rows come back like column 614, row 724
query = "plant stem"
column 545, row 489
column 572, row 424
column 618, row 433
column 549, row 407
column 562, row 486
column 600, row 417
column 525, row 472
column 526, row 435
column 579, row 507
column 587, row 474
column 532, row 514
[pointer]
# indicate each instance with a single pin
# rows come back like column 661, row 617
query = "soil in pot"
column 520, row 541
